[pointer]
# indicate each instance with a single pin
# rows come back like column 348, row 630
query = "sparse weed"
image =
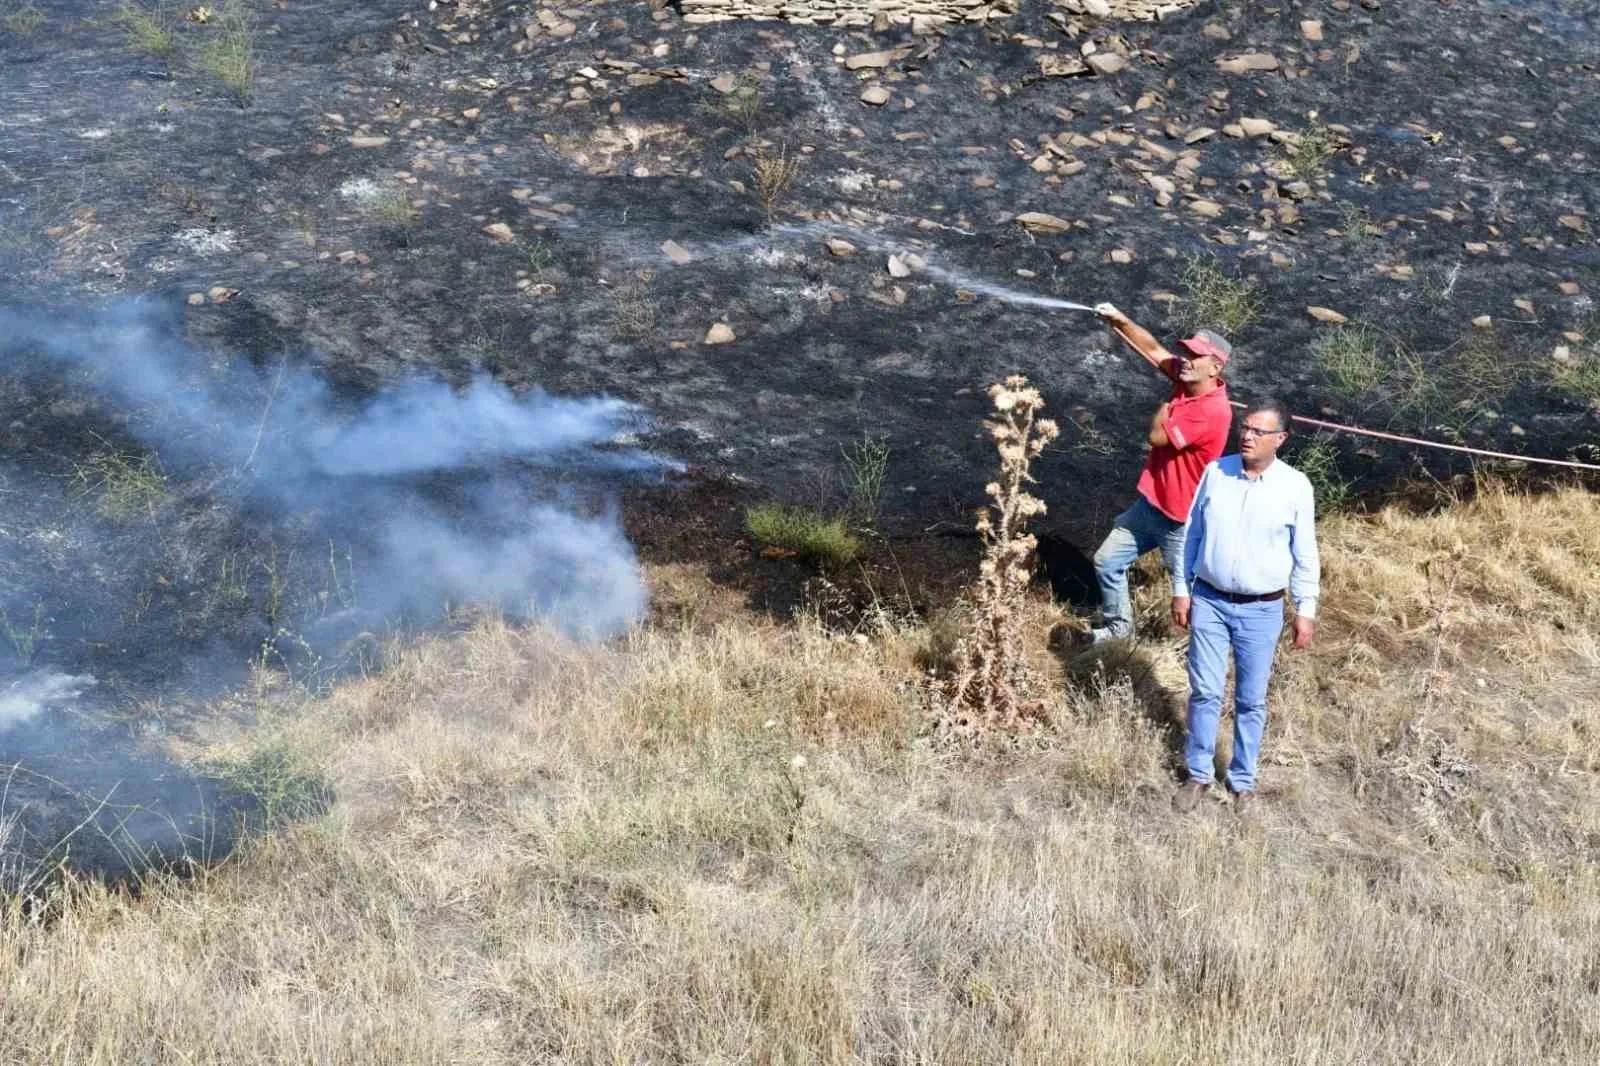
column 803, row 532
column 633, row 312
column 126, row 486
column 1309, row 150
column 150, row 30
column 22, row 20
column 232, row 587
column 1579, row 377
column 393, row 207
column 773, row 174
column 1350, row 356
column 1318, row 459
column 24, row 638
column 1213, row 299
column 541, row 259
column 743, row 104
column 868, row 463
column 229, row 51
column 284, row 789
column 1356, row 227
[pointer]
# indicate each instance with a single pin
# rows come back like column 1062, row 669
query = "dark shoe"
column 1188, row 797
column 1244, row 804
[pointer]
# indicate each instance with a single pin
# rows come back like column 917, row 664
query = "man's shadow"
column 1155, row 674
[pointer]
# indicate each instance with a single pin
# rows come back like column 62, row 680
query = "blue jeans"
column 1137, row 530
column 1250, row 632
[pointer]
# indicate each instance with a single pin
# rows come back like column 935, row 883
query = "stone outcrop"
column 864, row 12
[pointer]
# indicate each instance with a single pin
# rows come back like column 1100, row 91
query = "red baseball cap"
column 1205, row 342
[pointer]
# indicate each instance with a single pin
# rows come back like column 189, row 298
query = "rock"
column 1245, row 64
column 720, row 333
column 1056, row 65
column 1570, row 288
column 1327, row 314
column 675, row 252
column 1572, row 222
column 1256, row 127
column 1215, row 31
column 368, row 141
column 1120, row 256
column 1561, row 354
column 1100, row 9
column 876, row 95
column 1200, row 133
column 221, row 294
column 1106, row 62
column 196, row 299
column 724, row 84
column 1042, row 222
column 898, row 267
column 1206, row 208
column 1311, row 29
column 871, row 60
column 472, row 112
column 1483, row 322
column 500, row 232
column 1524, row 305
column 840, row 247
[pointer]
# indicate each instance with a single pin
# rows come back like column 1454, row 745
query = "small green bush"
column 149, row 30
column 811, row 535
column 1212, row 299
column 1349, row 354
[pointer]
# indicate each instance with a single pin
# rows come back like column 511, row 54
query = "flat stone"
column 1257, row 127
column 1483, row 322
column 675, row 252
column 1201, row 133
column 724, row 84
column 366, row 141
column 500, row 232
column 1311, row 29
column 1248, row 63
column 840, row 247
column 1206, row 208
column 720, row 333
column 1045, row 223
column 1327, row 314
column 876, row 95
column 1106, row 62
column 871, row 60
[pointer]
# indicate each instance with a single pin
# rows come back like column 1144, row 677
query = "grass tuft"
column 229, row 50
column 150, row 30
column 806, row 533
column 125, row 486
column 1349, row 355
column 1309, row 151
column 1212, row 299
column 21, row 20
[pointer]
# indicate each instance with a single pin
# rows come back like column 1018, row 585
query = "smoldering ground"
column 174, row 515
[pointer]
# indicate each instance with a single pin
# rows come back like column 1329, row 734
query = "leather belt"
column 1240, row 597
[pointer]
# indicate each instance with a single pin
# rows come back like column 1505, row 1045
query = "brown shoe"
column 1188, row 797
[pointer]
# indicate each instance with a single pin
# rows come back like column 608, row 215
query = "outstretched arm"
column 1136, row 337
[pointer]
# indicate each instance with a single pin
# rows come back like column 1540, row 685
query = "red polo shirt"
column 1198, row 429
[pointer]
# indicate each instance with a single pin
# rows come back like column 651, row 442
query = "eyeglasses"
column 1256, row 431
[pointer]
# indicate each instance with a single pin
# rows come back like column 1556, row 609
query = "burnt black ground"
column 125, row 175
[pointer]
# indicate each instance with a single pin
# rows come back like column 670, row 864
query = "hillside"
column 393, row 669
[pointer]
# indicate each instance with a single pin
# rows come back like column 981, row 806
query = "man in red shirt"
column 1188, row 432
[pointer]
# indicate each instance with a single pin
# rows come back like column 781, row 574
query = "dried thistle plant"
column 993, row 687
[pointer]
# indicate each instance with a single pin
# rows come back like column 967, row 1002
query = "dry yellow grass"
column 719, row 841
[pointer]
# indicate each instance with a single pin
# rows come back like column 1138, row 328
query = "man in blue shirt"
column 1252, row 533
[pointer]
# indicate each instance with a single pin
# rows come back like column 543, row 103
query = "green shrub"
column 807, row 533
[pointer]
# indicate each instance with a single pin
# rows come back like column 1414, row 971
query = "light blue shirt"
column 1254, row 535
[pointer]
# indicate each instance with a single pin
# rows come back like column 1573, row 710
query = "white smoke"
column 29, row 695
column 283, row 439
